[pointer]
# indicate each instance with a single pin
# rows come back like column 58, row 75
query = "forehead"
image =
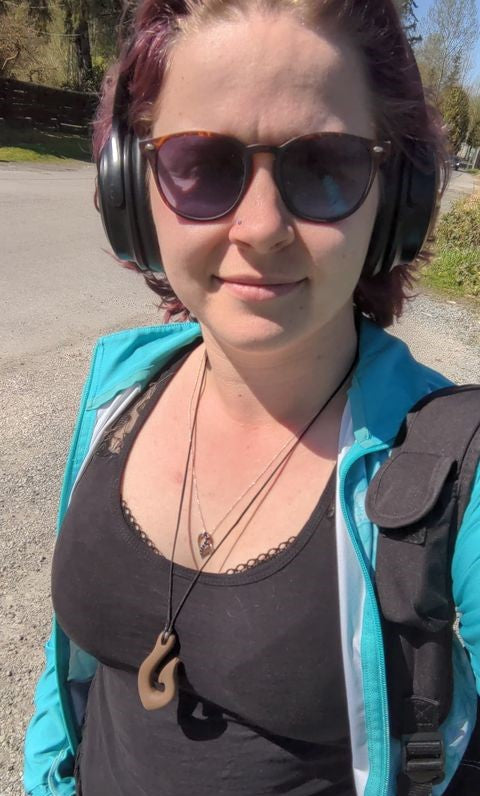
column 264, row 78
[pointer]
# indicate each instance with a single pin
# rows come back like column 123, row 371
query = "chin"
column 257, row 334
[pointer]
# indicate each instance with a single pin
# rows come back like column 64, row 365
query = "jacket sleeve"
column 49, row 758
column 466, row 578
column 48, row 754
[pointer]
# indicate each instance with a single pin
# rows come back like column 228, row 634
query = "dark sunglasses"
column 321, row 177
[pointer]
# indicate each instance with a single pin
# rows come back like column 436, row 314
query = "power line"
column 39, row 33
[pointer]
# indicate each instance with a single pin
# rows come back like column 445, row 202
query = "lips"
column 258, row 289
column 261, row 284
column 247, row 280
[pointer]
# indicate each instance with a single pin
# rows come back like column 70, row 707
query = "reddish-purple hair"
column 374, row 28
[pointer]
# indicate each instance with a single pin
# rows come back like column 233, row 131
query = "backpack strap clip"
column 423, row 759
column 423, row 750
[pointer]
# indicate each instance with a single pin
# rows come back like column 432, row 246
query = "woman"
column 214, row 565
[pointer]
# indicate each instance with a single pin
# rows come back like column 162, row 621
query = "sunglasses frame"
column 379, row 151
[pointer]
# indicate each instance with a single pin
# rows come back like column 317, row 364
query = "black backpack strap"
column 418, row 499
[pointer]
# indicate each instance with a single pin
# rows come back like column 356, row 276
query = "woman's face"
column 265, row 79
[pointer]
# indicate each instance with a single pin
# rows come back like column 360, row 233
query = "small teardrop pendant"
column 205, row 544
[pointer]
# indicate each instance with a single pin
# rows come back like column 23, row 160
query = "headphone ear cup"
column 390, row 179
column 111, row 194
column 406, row 211
column 123, row 200
column 419, row 202
column 146, row 241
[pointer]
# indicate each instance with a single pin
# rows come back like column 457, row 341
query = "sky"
column 423, row 8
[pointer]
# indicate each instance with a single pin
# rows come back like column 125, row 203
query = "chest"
column 249, row 494
column 275, row 625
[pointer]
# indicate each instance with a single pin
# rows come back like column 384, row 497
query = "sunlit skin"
column 273, row 359
column 267, row 79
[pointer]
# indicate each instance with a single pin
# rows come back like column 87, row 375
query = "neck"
column 287, row 386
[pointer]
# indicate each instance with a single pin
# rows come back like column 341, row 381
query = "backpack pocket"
column 410, row 499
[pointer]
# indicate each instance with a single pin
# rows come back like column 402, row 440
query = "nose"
column 262, row 222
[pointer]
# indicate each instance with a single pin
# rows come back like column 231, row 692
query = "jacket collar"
column 134, row 356
column 387, row 382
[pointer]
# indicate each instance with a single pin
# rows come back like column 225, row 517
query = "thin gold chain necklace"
column 158, row 674
column 205, row 540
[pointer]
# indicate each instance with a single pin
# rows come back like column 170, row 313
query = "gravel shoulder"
column 36, row 431
column 443, row 334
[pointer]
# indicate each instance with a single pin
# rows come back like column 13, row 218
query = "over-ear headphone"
column 409, row 196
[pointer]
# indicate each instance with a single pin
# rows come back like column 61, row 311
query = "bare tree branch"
column 11, row 57
column 450, row 33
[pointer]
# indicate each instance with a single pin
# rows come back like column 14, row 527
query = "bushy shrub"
column 461, row 225
column 456, row 265
column 94, row 82
column 455, row 271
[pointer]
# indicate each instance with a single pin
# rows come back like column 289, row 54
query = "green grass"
column 454, row 271
column 455, row 268
column 28, row 145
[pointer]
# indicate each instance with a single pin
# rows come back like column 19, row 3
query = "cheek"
column 172, row 240
column 187, row 250
column 164, row 220
column 338, row 251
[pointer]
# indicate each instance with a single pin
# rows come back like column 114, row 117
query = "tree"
column 453, row 77
column 93, row 24
column 20, row 21
column 473, row 136
column 454, row 106
column 450, row 35
column 410, row 21
column 38, row 11
column 39, row 14
column 71, row 42
column 76, row 26
column 18, row 40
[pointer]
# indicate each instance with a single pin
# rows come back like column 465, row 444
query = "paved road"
column 60, row 290
column 57, row 281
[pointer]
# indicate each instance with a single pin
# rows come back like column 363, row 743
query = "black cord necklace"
column 157, row 675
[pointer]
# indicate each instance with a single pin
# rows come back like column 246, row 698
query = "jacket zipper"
column 384, row 767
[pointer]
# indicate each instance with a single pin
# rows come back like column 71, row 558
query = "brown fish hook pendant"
column 158, row 686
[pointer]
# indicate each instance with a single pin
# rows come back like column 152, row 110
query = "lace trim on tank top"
column 113, row 443
column 115, row 437
column 252, row 562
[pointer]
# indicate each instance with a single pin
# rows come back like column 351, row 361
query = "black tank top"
column 261, row 707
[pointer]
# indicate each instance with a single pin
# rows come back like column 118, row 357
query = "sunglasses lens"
column 325, row 178
column 201, row 176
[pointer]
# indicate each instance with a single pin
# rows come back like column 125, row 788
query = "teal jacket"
column 386, row 383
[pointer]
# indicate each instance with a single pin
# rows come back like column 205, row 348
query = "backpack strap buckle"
column 423, row 758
